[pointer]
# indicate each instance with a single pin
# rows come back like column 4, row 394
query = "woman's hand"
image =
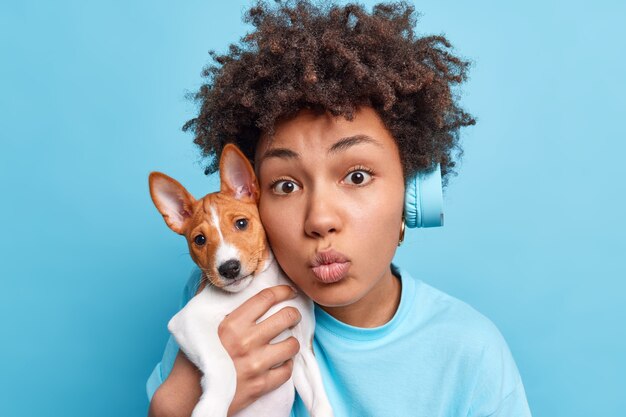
column 261, row 367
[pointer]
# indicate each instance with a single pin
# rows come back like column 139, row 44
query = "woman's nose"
column 322, row 217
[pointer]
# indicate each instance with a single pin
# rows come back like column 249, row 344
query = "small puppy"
column 227, row 242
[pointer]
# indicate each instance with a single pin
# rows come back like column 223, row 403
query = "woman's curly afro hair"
column 334, row 58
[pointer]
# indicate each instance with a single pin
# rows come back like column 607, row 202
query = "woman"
column 336, row 108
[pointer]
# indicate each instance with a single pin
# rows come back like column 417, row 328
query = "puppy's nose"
column 229, row 269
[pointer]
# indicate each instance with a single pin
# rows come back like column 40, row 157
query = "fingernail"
column 295, row 291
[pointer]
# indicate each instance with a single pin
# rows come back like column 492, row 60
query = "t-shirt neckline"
column 346, row 331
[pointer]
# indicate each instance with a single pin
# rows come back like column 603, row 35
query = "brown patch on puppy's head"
column 223, row 229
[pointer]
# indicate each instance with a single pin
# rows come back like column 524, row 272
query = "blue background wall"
column 92, row 100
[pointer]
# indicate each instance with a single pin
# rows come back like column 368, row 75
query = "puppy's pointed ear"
column 237, row 177
column 172, row 200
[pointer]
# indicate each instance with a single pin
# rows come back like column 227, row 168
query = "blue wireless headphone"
column 423, row 200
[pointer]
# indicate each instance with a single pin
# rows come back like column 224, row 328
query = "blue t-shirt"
column 437, row 357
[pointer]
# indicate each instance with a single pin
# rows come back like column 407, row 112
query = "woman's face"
column 331, row 203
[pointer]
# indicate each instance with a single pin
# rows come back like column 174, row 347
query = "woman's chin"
column 338, row 294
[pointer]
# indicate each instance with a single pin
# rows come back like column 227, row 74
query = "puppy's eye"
column 241, row 224
column 199, row 240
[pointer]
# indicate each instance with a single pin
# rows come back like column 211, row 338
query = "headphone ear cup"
column 423, row 199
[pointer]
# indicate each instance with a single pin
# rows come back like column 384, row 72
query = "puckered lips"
column 330, row 266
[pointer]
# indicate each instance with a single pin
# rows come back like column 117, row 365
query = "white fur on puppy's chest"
column 195, row 330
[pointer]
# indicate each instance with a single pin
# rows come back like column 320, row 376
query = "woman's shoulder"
column 454, row 326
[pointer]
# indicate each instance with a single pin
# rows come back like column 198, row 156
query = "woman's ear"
column 237, row 177
column 172, row 200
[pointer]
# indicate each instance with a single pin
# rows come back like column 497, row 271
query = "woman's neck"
column 375, row 309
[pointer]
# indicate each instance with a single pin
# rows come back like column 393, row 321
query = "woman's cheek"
column 279, row 226
column 378, row 235
column 373, row 221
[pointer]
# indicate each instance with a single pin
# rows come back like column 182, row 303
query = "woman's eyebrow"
column 339, row 146
column 345, row 143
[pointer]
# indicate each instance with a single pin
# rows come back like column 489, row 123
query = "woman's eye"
column 199, row 240
column 284, row 187
column 241, row 224
column 358, row 177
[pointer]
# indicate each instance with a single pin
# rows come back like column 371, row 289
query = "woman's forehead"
column 318, row 132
